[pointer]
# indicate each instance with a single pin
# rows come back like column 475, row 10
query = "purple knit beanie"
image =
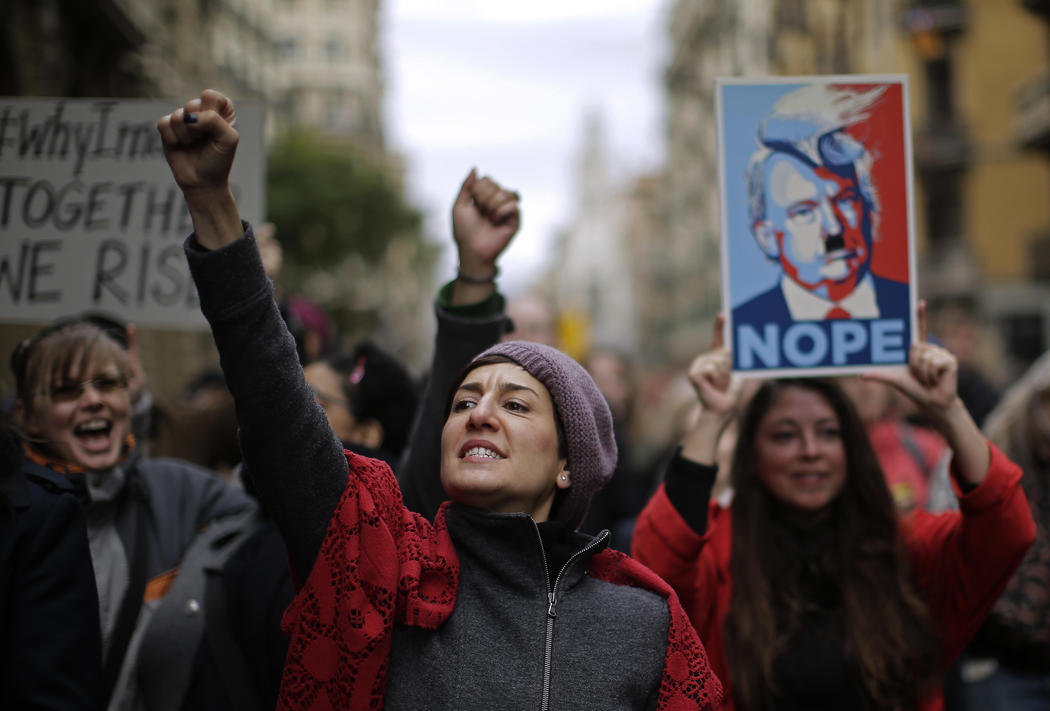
column 584, row 416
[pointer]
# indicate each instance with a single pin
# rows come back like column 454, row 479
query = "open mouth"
column 94, row 434
column 482, row 453
column 479, row 452
column 807, row 479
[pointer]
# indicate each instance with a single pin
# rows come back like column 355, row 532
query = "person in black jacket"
column 73, row 407
column 50, row 641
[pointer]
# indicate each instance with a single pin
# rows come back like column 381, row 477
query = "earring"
column 564, row 477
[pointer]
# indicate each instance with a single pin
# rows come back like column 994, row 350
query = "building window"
column 791, row 16
column 943, row 212
column 288, row 48
column 939, row 91
column 333, row 49
column 1024, row 335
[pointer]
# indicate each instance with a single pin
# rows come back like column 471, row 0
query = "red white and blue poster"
column 818, row 265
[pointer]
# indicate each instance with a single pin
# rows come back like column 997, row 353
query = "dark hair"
column 303, row 317
column 10, row 460
column 378, row 387
column 113, row 326
column 888, row 630
column 205, row 380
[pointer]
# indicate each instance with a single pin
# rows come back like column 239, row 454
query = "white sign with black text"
column 90, row 217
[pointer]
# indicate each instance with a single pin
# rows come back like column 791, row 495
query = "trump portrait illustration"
column 817, row 243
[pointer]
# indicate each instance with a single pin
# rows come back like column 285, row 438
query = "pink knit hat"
column 585, row 420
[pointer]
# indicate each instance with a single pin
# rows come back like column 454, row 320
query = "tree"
column 342, row 222
column 329, row 200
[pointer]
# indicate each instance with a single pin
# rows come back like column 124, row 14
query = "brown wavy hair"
column 889, row 635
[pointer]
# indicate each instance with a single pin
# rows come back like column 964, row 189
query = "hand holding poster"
column 817, row 237
column 90, row 217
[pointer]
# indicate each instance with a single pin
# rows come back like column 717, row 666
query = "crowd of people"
column 313, row 528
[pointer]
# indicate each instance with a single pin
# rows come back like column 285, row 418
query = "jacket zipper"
column 552, row 601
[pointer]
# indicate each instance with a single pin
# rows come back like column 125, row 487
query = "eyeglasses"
column 68, row 390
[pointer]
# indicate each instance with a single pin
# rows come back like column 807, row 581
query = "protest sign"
column 818, row 266
column 90, row 217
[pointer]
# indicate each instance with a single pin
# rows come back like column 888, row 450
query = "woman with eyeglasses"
column 74, row 411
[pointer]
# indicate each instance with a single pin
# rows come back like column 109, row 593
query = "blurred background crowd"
column 628, row 281
column 631, row 261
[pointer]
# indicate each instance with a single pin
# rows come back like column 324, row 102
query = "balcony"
column 943, row 17
column 1032, row 112
column 1039, row 255
column 942, row 148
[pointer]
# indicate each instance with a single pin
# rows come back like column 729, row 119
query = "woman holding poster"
column 806, row 588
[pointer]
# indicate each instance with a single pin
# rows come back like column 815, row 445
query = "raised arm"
column 485, row 217
column 672, row 533
column 931, row 380
column 710, row 374
column 294, row 460
column 963, row 560
column 689, row 475
column 199, row 142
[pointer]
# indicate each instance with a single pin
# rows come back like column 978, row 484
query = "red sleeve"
column 379, row 563
column 693, row 565
column 964, row 559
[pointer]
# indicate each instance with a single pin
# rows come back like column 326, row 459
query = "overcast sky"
column 506, row 87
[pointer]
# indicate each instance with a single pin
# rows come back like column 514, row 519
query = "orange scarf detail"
column 63, row 467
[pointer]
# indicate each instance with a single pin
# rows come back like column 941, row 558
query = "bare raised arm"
column 711, row 377
column 485, row 217
column 931, row 380
column 199, row 142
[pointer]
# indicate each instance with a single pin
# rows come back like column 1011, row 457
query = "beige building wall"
column 708, row 40
column 1004, row 191
column 156, row 49
column 1007, row 194
column 996, row 50
column 330, row 74
column 175, row 48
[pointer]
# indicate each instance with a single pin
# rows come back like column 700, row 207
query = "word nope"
column 814, row 344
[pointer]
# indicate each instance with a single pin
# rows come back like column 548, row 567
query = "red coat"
column 908, row 456
column 380, row 564
column 962, row 560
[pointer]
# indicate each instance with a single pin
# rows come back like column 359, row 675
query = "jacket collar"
column 512, row 546
column 90, row 485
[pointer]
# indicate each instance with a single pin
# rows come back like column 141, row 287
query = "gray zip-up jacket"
column 148, row 508
column 520, row 636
